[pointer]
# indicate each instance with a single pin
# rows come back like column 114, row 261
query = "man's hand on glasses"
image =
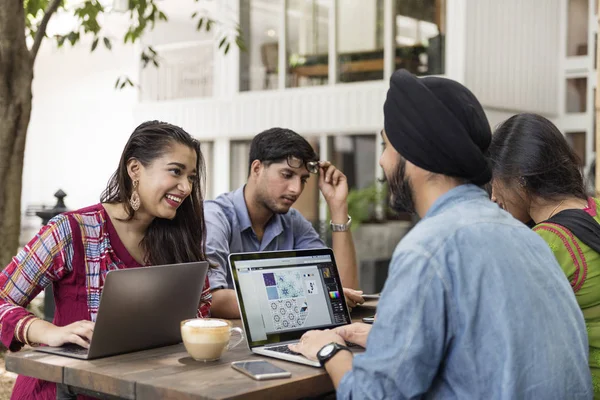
column 334, row 186
column 311, row 166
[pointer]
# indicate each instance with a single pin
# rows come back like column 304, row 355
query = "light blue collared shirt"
column 229, row 230
column 475, row 307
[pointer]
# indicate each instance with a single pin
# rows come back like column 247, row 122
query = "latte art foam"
column 200, row 323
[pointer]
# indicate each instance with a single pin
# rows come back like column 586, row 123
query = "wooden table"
column 170, row 373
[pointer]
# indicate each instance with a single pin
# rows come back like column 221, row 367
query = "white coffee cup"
column 206, row 339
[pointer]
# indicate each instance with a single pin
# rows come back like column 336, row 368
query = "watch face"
column 325, row 351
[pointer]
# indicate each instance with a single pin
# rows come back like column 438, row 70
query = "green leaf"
column 117, row 82
column 60, row 40
column 200, row 23
column 95, row 44
column 239, row 41
column 194, row 14
column 73, row 37
column 209, row 24
column 227, row 48
column 155, row 63
column 107, row 43
column 162, row 16
column 222, row 42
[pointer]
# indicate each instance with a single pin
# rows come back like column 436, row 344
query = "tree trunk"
column 16, row 76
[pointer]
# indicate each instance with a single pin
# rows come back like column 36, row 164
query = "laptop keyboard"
column 73, row 349
column 286, row 350
column 283, row 349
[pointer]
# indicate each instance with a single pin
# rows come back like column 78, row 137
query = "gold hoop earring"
column 134, row 201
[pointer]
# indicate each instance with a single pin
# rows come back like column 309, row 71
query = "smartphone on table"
column 370, row 296
column 368, row 320
column 260, row 370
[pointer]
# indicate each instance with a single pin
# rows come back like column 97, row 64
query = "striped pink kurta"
column 73, row 252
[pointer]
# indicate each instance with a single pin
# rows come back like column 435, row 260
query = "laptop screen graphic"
column 287, row 295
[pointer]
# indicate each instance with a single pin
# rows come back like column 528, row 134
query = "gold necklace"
column 555, row 208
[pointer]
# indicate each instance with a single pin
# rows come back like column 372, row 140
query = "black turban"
column 438, row 125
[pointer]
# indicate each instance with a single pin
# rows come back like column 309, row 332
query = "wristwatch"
column 341, row 227
column 328, row 351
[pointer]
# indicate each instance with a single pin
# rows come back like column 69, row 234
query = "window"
column 420, row 36
column 238, row 159
column 577, row 142
column 577, row 28
column 355, row 156
column 184, row 71
column 576, row 100
column 307, row 42
column 259, row 20
column 360, row 40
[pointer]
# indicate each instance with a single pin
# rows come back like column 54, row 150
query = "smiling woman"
column 151, row 213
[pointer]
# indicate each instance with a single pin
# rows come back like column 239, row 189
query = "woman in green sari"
column 538, row 180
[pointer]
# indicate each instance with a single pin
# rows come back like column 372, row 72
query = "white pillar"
column 220, row 166
column 333, row 44
column 456, row 39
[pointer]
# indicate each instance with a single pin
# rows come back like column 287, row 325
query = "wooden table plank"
column 113, row 375
column 40, row 365
column 211, row 381
column 169, row 373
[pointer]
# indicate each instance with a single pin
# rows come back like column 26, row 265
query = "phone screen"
column 259, row 367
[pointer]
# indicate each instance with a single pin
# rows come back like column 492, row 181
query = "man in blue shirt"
column 475, row 305
column 258, row 216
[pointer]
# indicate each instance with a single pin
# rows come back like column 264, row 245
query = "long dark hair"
column 183, row 238
column 529, row 150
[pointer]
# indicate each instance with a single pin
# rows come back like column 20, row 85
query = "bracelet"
column 341, row 227
column 26, row 329
column 22, row 324
column 18, row 328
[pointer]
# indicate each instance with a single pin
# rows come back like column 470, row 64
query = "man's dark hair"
column 277, row 144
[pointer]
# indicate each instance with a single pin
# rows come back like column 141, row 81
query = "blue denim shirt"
column 229, row 230
column 475, row 306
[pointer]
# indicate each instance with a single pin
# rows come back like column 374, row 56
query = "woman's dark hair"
column 529, row 150
column 276, row 144
column 183, row 238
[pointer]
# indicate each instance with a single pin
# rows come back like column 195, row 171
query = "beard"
column 402, row 197
column 274, row 207
column 271, row 204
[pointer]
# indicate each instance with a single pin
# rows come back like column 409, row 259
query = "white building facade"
column 319, row 67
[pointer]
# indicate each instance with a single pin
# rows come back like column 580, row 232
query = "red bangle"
column 20, row 332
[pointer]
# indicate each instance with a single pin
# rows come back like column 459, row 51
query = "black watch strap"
column 329, row 350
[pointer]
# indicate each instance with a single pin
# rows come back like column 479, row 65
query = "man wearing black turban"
column 475, row 305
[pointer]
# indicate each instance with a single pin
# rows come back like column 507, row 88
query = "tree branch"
column 41, row 32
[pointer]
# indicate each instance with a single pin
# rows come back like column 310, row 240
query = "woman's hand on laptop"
column 353, row 297
column 355, row 333
column 312, row 341
column 79, row 333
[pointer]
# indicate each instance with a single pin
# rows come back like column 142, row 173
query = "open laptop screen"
column 284, row 294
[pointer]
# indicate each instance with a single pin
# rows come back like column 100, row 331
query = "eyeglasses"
column 311, row 166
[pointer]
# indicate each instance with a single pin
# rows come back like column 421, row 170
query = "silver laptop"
column 141, row 308
column 282, row 294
